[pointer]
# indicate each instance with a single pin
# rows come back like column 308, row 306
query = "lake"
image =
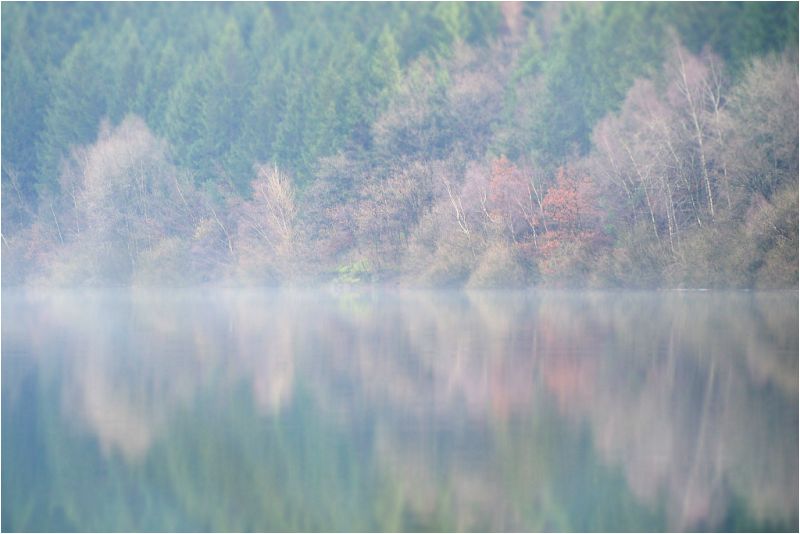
column 348, row 410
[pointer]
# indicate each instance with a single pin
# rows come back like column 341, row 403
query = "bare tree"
column 760, row 127
column 689, row 79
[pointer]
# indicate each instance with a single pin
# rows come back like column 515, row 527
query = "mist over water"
column 399, row 410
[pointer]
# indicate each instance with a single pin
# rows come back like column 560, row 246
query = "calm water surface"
column 226, row 410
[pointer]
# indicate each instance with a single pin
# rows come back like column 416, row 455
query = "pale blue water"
column 225, row 410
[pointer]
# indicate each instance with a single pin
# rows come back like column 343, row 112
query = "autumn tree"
column 512, row 201
column 689, row 79
column 661, row 152
column 762, row 142
column 266, row 232
column 575, row 236
column 125, row 212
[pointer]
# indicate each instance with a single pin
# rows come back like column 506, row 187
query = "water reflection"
column 232, row 410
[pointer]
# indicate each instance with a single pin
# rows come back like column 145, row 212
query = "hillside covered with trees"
column 425, row 144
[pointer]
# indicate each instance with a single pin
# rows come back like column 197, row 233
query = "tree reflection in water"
column 225, row 410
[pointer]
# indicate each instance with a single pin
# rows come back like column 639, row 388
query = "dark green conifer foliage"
column 77, row 101
column 22, row 101
column 159, row 77
column 226, row 80
column 183, row 118
column 127, row 72
column 384, row 69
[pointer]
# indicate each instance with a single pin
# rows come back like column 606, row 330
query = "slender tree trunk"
column 620, row 178
column 224, row 230
column 714, row 90
column 460, row 216
column 58, row 226
column 643, row 181
column 685, row 89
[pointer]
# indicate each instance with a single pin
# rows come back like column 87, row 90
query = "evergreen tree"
column 227, row 81
column 77, row 102
column 23, row 99
column 384, row 69
column 183, row 119
column 290, row 135
column 160, row 76
column 453, row 22
column 126, row 68
column 264, row 36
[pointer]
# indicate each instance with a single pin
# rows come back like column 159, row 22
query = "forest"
column 477, row 145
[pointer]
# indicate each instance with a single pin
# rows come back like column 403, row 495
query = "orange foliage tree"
column 510, row 199
column 574, row 224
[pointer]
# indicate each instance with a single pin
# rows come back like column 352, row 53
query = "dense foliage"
column 444, row 144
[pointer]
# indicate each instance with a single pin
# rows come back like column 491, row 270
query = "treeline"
column 428, row 144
